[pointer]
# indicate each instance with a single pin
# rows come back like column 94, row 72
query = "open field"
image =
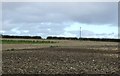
column 61, row 43
column 63, row 57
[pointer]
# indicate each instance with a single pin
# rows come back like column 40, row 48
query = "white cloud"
column 25, row 31
column 2, row 31
column 16, row 31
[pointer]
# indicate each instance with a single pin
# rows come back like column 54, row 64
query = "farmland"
column 34, row 56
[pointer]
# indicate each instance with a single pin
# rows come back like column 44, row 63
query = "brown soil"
column 55, row 60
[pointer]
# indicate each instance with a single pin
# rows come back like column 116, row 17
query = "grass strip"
column 24, row 42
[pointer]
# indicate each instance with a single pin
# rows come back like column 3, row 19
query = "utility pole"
column 80, row 32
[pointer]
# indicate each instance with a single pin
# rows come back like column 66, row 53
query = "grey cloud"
column 51, row 18
column 94, row 13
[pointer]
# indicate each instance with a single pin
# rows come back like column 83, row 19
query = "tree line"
column 100, row 39
column 62, row 38
column 85, row 39
column 24, row 37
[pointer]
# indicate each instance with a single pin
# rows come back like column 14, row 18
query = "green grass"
column 24, row 42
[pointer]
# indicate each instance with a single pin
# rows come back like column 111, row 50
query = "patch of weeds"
column 53, row 46
column 57, row 46
column 10, row 49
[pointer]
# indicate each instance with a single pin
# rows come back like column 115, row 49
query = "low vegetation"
column 24, row 42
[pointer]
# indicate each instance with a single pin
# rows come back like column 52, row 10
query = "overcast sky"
column 97, row 19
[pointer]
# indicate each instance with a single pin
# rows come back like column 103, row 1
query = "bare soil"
column 54, row 60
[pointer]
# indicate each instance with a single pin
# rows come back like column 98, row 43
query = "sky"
column 96, row 19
